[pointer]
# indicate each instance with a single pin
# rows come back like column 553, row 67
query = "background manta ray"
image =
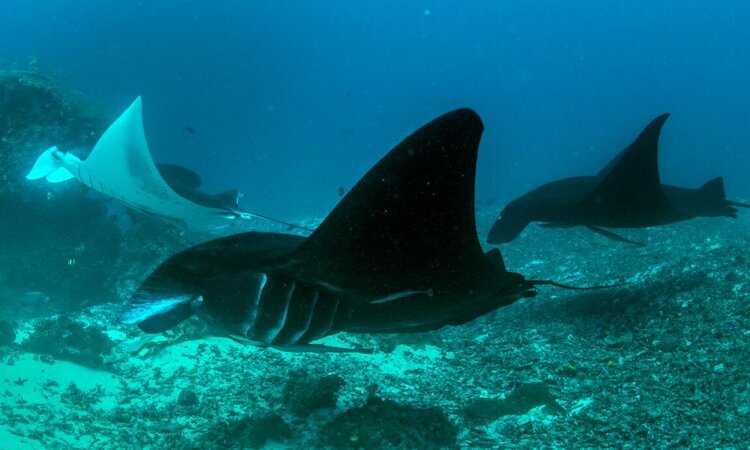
column 626, row 193
column 120, row 166
column 187, row 183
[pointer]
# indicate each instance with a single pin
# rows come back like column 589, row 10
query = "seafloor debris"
column 36, row 113
column 523, row 398
column 248, row 432
column 66, row 339
column 662, row 361
column 7, row 332
column 56, row 230
column 388, row 424
column 75, row 396
column 304, row 394
column 187, row 398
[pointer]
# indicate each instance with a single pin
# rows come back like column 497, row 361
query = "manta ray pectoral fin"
column 630, row 184
column 49, row 165
column 408, row 221
column 613, row 236
column 496, row 258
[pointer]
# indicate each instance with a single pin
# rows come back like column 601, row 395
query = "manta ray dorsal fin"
column 230, row 198
column 713, row 190
column 630, row 183
column 408, row 224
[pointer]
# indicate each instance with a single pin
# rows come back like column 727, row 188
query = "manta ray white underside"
column 120, row 166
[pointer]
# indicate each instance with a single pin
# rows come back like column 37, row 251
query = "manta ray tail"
column 49, row 165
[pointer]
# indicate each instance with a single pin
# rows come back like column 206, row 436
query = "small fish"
column 34, row 298
column 341, row 191
column 190, row 129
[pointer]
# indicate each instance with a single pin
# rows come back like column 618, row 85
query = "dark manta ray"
column 186, row 183
column 627, row 193
column 398, row 254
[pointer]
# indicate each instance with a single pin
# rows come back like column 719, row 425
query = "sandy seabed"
column 662, row 361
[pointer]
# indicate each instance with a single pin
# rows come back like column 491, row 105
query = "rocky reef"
column 7, row 332
column 58, row 241
column 36, row 112
column 61, row 241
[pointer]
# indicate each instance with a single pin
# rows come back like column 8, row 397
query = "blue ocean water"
column 290, row 100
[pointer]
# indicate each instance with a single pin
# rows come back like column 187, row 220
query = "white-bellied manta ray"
column 398, row 254
column 626, row 193
column 120, row 166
